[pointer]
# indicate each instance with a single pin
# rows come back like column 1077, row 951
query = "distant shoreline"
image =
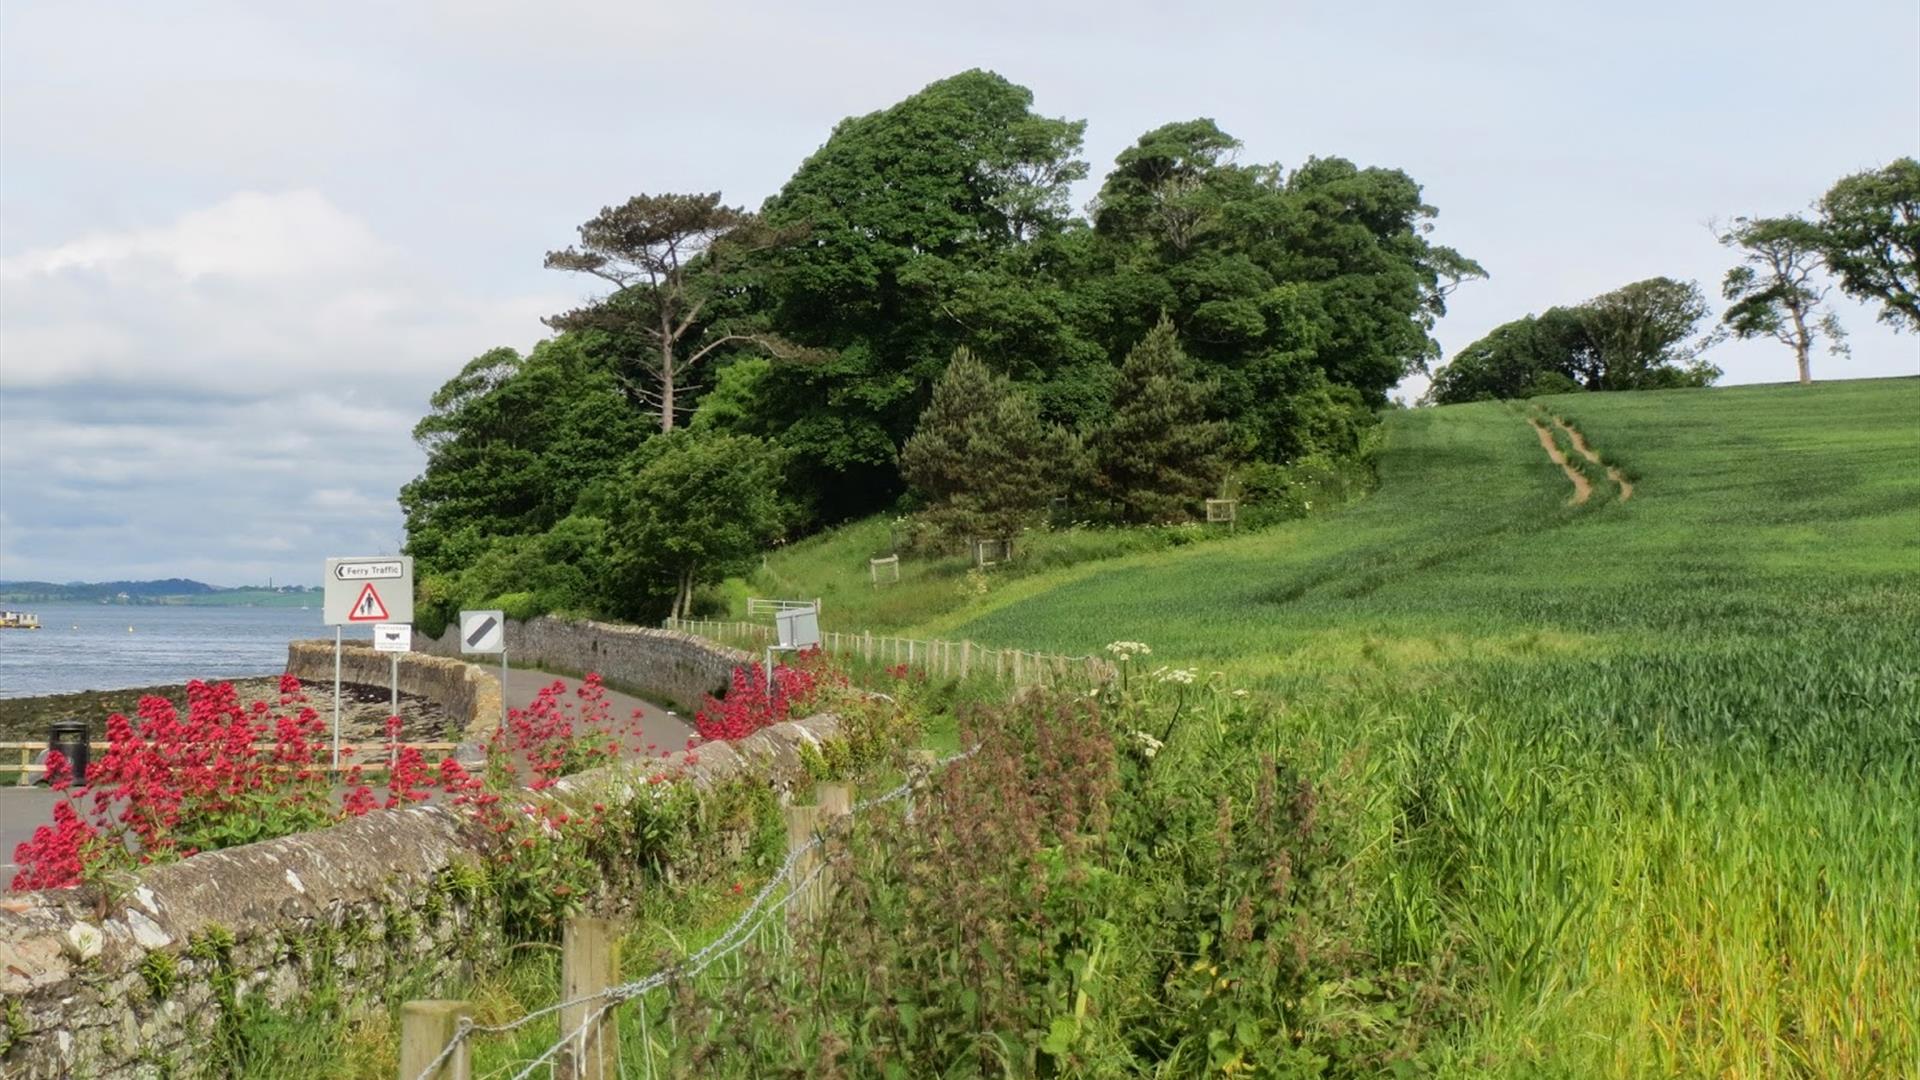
column 266, row 598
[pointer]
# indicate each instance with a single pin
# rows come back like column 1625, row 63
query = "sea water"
column 121, row 646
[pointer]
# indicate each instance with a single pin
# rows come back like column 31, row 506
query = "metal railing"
column 761, row 606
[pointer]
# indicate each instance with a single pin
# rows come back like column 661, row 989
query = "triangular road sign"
column 369, row 607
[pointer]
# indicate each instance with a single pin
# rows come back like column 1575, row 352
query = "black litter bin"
column 70, row 738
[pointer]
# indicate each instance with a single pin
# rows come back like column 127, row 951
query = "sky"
column 242, row 243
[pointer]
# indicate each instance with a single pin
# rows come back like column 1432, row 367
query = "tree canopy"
column 665, row 257
column 983, row 458
column 1870, row 223
column 1775, row 291
column 687, row 510
column 1159, row 456
column 1637, row 337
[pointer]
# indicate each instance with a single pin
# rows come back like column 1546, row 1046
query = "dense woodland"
column 920, row 320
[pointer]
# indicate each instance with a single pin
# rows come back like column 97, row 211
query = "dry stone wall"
column 134, row 982
column 470, row 694
column 667, row 665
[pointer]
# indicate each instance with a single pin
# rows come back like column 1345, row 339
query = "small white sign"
column 393, row 637
column 483, row 631
column 371, row 590
column 799, row 628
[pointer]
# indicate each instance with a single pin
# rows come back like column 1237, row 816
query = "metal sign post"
column 336, row 698
column 366, row 589
column 394, row 638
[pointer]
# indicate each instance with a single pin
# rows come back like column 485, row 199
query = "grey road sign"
column 799, row 628
column 370, row 589
column 483, row 631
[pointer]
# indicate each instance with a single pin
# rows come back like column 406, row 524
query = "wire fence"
column 946, row 659
column 792, row 880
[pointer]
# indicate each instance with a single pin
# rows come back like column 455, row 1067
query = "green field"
column 1650, row 770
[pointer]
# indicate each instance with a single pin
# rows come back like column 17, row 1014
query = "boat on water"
column 19, row 620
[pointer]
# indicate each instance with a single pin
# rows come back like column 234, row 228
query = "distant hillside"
column 173, row 591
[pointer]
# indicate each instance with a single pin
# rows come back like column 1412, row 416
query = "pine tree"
column 985, row 461
column 1159, row 456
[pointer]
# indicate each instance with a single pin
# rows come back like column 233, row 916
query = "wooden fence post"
column 832, row 802
column 801, row 821
column 589, row 964
column 426, row 1027
column 966, row 657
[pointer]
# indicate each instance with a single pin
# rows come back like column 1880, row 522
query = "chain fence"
column 793, row 878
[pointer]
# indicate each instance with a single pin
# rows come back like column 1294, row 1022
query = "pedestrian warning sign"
column 369, row 589
column 369, row 608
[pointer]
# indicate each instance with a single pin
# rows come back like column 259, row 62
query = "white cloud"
column 229, row 393
column 248, row 235
column 254, row 294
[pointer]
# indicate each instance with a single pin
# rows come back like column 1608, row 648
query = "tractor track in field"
column 1582, row 487
column 1579, row 442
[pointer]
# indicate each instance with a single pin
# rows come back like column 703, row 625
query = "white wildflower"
column 1240, row 693
column 1125, row 651
column 1148, row 744
column 1183, row 676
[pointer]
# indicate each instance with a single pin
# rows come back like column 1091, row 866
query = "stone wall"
column 663, row 665
column 469, row 693
column 130, row 984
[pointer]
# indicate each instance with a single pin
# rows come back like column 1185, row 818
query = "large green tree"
column 667, row 258
column 1160, row 456
column 1539, row 354
column 1871, row 224
column 1642, row 336
column 1269, row 277
column 983, row 458
column 931, row 224
column 511, row 442
column 687, row 510
column 1775, row 291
